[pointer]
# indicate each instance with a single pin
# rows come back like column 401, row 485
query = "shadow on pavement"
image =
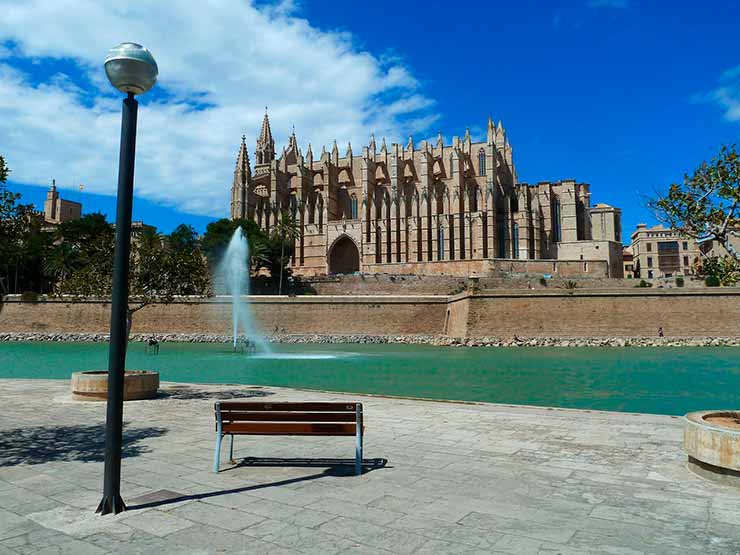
column 165, row 497
column 42, row 444
column 186, row 393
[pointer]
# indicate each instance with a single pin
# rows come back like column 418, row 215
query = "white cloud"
column 230, row 57
column 726, row 95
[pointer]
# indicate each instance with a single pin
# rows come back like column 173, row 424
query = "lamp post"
column 131, row 69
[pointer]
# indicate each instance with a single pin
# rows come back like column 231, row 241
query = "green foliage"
column 22, row 244
column 644, row 283
column 706, row 204
column 679, row 281
column 570, row 284
column 219, row 233
column 711, row 281
column 725, row 270
column 81, row 261
column 4, row 171
column 282, row 240
column 543, row 282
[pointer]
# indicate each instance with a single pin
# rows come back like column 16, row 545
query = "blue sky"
column 622, row 94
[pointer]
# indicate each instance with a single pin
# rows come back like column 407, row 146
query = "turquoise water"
column 669, row 380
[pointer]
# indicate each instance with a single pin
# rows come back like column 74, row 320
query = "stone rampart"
column 504, row 314
column 410, row 315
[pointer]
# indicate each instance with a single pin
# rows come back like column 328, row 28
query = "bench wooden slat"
column 295, row 428
column 286, row 406
column 244, row 416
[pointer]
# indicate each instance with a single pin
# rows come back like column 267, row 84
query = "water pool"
column 661, row 380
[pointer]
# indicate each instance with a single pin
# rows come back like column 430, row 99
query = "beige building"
column 57, row 210
column 662, row 252
column 454, row 209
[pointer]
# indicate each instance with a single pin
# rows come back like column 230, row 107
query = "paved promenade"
column 459, row 478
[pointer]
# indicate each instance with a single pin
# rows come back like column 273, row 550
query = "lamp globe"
column 131, row 68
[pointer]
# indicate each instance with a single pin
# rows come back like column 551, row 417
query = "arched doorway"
column 344, row 258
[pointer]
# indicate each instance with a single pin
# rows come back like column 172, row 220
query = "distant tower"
column 265, row 152
column 52, row 200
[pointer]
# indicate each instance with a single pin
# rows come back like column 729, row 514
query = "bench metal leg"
column 217, row 454
column 231, row 450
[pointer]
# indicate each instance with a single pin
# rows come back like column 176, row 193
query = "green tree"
column 219, row 233
column 22, row 243
column 706, row 204
column 160, row 268
column 285, row 232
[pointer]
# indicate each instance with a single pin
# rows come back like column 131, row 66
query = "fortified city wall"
column 524, row 313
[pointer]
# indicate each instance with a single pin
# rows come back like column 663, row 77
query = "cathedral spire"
column 440, row 142
column 410, row 144
column 292, row 141
column 265, row 143
column 371, row 147
column 309, row 154
column 383, row 148
column 349, row 150
column 491, row 131
column 242, row 161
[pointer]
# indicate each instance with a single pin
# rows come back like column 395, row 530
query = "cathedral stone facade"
column 425, row 209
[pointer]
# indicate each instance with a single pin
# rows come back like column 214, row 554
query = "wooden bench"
column 288, row 419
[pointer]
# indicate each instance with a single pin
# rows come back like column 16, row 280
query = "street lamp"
column 131, row 69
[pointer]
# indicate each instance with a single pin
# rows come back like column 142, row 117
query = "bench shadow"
column 85, row 443
column 340, row 467
column 187, row 393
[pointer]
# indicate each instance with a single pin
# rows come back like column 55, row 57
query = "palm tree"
column 286, row 231
column 60, row 264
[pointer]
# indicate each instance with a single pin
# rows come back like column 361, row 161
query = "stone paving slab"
column 459, row 478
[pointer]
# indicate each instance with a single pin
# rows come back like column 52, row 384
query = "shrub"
column 644, row 283
column 570, row 284
column 711, row 281
column 679, row 281
column 543, row 282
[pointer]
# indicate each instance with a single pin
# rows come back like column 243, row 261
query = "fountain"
column 233, row 278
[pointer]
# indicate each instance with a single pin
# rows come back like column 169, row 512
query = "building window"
column 650, row 274
column 649, row 247
column 354, row 206
column 441, row 244
column 650, row 261
column 685, row 245
column 556, row 221
column 685, row 260
column 452, row 167
column 515, row 240
column 482, row 162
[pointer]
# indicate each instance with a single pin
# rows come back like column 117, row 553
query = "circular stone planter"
column 712, row 441
column 93, row 386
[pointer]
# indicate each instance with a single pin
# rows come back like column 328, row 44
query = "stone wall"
column 523, row 313
column 625, row 313
column 412, row 315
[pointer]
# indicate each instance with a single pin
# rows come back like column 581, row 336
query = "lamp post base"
column 112, row 504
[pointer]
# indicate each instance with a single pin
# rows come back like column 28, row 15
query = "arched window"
column 515, row 240
column 441, row 243
column 556, row 230
column 482, row 162
column 354, row 206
